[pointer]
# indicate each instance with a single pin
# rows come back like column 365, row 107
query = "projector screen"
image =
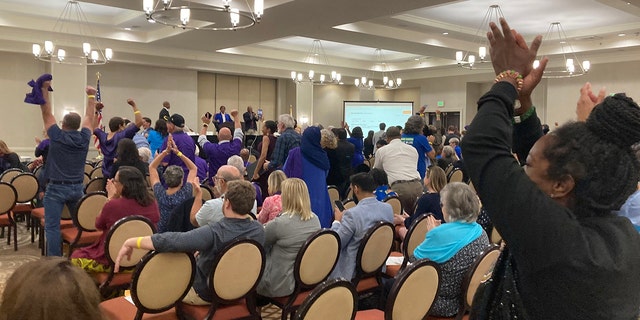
column 369, row 114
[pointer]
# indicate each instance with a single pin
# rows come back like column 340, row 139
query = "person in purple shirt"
column 184, row 143
column 109, row 141
column 412, row 135
column 227, row 146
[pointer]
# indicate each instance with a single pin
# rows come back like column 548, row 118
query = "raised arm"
column 136, row 113
column 236, row 119
column 89, row 112
column 47, row 115
column 193, row 170
column 153, row 166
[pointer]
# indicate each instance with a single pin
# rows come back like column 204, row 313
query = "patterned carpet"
column 10, row 260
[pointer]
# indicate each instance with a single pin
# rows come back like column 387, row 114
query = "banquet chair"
column 333, row 299
column 414, row 237
column 8, row 196
column 372, row 254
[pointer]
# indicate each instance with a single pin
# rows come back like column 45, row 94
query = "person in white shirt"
column 400, row 161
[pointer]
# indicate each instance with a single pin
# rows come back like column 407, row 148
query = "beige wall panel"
column 248, row 93
column 206, row 92
column 227, row 92
column 268, row 99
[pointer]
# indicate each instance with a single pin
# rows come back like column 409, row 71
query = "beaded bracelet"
column 512, row 74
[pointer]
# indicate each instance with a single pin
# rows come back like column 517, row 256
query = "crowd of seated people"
column 540, row 210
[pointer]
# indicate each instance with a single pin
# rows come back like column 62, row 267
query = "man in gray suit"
column 352, row 224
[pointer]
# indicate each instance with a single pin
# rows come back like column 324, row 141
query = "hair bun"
column 616, row 120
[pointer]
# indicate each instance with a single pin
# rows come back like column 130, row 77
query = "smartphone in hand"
column 208, row 115
column 339, row 205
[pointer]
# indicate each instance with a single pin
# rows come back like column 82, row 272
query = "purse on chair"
column 499, row 297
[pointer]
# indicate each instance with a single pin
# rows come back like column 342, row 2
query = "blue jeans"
column 56, row 196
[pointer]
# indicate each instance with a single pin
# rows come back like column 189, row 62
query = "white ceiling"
column 410, row 32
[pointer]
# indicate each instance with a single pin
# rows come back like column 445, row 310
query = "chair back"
column 349, row 204
column 374, row 249
column 97, row 184
column 26, row 185
column 89, row 207
column 252, row 158
column 495, row 238
column 86, row 179
column 37, row 171
column 8, row 196
column 123, row 229
column 455, row 175
column 317, row 258
column 237, row 270
column 413, row 292
column 448, row 169
column 88, row 167
column 333, row 299
column 479, row 272
column 415, row 235
column 349, row 194
column 96, row 172
column 395, row 203
column 9, row 174
column 177, row 271
column 334, row 194
column 207, row 193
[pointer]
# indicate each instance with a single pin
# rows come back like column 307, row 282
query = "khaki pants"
column 193, row 298
column 408, row 193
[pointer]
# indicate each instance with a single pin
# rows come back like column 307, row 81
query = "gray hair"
column 145, row 154
column 460, row 201
column 173, row 176
column 237, row 162
column 287, row 120
column 454, row 140
column 414, row 125
column 449, row 152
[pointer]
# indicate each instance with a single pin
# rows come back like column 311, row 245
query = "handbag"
column 499, row 297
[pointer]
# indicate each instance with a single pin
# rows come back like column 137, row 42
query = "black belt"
column 405, row 181
column 64, row 182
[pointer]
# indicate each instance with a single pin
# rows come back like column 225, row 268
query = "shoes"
column 35, row 97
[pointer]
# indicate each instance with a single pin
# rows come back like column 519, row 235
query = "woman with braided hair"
column 567, row 255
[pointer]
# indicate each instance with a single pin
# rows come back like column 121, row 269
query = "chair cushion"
column 280, row 301
column 22, row 208
column 4, row 220
column 370, row 314
column 367, row 284
column 224, row 312
column 121, row 309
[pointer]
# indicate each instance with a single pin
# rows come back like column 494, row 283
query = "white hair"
column 287, row 120
column 236, row 161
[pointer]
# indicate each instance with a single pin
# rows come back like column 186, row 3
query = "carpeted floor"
column 10, row 260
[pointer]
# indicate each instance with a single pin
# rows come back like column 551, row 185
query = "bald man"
column 227, row 146
column 211, row 211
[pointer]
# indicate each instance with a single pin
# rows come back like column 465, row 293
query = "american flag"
column 96, row 141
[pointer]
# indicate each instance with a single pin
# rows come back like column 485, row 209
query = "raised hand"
column 234, row 113
column 131, row 102
column 588, row 101
column 91, row 91
column 509, row 51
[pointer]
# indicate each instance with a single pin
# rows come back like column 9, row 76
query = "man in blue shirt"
column 288, row 140
column 353, row 224
column 65, row 163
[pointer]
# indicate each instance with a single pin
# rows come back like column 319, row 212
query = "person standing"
column 400, row 162
column 183, row 142
column 412, row 135
column 250, row 121
column 379, row 135
column 227, row 146
column 65, row 163
column 288, row 140
column 164, row 113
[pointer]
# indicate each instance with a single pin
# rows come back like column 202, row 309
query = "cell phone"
column 339, row 205
column 259, row 113
column 208, row 115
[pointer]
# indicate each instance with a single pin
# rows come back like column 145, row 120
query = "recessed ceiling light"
column 445, row 33
column 621, row 34
column 417, row 59
column 128, row 29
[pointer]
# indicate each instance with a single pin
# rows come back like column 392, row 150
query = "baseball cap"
column 177, row 120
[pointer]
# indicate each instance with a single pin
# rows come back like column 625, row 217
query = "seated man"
column 212, row 210
column 352, row 224
column 207, row 240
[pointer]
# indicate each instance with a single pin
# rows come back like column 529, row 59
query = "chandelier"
column 317, row 56
column 181, row 14
column 475, row 60
column 389, row 81
column 568, row 69
column 73, row 20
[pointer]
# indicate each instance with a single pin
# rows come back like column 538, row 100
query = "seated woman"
column 176, row 191
column 453, row 245
column 272, row 205
column 59, row 287
column 128, row 195
column 429, row 202
column 382, row 191
column 447, row 157
column 9, row 159
column 283, row 238
column 127, row 155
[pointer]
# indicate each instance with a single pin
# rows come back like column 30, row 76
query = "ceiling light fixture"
column 73, row 20
column 182, row 14
column 317, row 56
column 571, row 60
column 389, row 81
column 471, row 59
